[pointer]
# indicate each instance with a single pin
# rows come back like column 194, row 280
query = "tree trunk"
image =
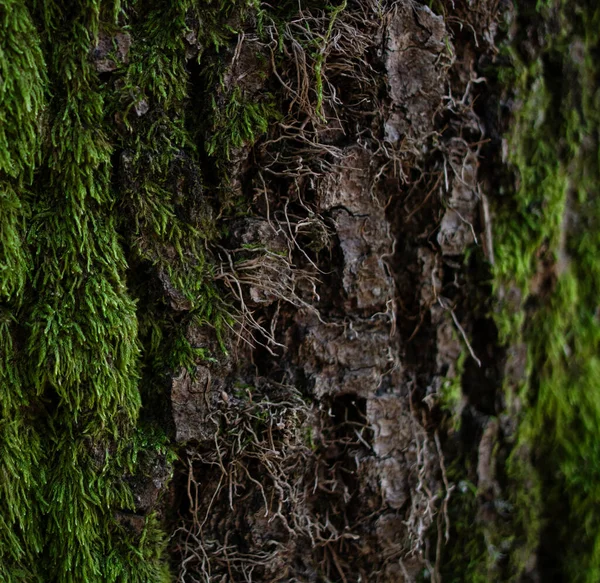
column 299, row 291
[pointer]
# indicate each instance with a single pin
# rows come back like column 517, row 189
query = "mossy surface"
column 118, row 132
column 22, row 101
column 74, row 331
column 546, row 281
column 548, row 245
column 103, row 263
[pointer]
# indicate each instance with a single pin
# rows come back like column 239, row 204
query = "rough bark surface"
column 365, row 200
column 291, row 291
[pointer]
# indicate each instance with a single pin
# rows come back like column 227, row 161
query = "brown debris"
column 321, row 459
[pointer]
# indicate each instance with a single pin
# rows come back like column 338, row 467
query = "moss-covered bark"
column 545, row 286
column 298, row 291
column 552, row 259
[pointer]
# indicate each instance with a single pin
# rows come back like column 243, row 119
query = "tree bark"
column 299, row 291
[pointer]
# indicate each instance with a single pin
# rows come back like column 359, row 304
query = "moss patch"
column 547, row 244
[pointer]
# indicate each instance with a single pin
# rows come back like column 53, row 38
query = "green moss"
column 527, row 501
column 21, row 92
column 451, row 393
column 467, row 561
column 21, row 504
column 77, row 330
column 335, row 11
column 22, row 475
column 82, row 328
column 20, row 525
column 22, row 70
column 239, row 123
column 14, row 261
column 546, row 243
column 554, row 147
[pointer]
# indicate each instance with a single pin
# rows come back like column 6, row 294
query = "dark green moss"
column 22, row 102
column 547, row 246
column 546, row 243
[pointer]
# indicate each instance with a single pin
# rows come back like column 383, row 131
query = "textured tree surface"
column 299, row 291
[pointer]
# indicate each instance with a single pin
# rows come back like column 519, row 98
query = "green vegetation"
column 451, row 395
column 82, row 332
column 22, row 102
column 21, row 106
column 106, row 222
column 103, row 264
column 546, row 282
column 547, row 243
column 240, row 122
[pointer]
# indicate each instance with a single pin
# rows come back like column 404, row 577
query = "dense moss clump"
column 82, row 331
column 22, row 100
column 99, row 173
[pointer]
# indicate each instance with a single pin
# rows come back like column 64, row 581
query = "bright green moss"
column 82, row 337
